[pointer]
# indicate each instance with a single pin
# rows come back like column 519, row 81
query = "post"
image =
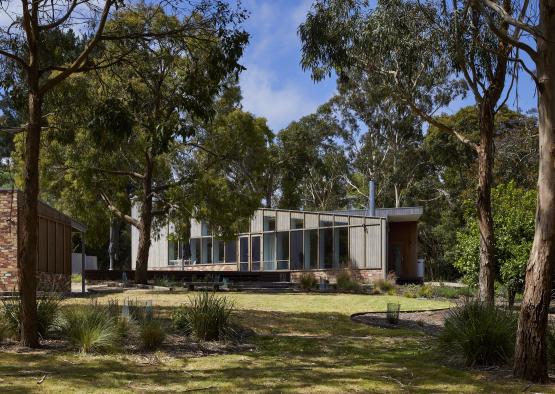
column 83, row 257
column 371, row 198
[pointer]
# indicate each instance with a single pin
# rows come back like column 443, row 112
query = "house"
column 293, row 242
column 54, row 244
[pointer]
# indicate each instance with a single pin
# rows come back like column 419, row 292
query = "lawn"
column 304, row 343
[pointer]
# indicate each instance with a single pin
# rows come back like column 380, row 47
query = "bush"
column 208, row 315
column 479, row 333
column 152, row 334
column 90, row 327
column 410, row 291
column 452, row 292
column 425, row 291
column 5, row 331
column 385, row 286
column 308, row 281
column 180, row 321
column 48, row 308
column 346, row 282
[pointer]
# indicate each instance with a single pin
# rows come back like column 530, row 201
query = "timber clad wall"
column 54, row 246
column 8, row 241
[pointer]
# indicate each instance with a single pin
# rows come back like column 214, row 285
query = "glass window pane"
column 270, row 252
column 326, row 248
column 218, row 251
column 311, row 249
column 231, row 251
column 341, row 221
column 297, row 253
column 244, row 253
column 341, row 247
column 269, row 222
column 206, row 254
column 173, row 252
column 282, row 250
column 195, row 250
column 204, row 229
column 255, row 253
column 297, row 223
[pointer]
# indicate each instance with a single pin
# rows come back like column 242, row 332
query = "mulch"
column 429, row 322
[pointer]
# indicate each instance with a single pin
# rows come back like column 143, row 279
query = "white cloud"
column 278, row 104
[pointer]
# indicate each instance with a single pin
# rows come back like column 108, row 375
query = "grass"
column 305, row 343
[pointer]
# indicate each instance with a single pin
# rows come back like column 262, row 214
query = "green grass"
column 305, row 343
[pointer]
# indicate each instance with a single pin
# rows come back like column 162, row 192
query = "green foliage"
column 5, row 330
column 152, row 334
column 307, row 281
column 479, row 333
column 551, row 343
column 48, row 308
column 385, row 286
column 346, row 282
column 180, row 321
column 410, row 290
column 452, row 292
column 425, row 291
column 90, row 327
column 208, row 315
column 514, row 219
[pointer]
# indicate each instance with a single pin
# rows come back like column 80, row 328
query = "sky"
column 274, row 85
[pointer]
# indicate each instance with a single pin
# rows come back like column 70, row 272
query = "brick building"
column 54, row 244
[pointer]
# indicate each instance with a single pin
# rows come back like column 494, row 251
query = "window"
column 311, row 249
column 270, row 252
column 206, row 255
column 341, row 221
column 269, row 221
column 195, row 250
column 204, row 230
column 173, row 252
column 255, row 252
column 297, row 223
column 326, row 220
column 341, row 247
column 282, row 250
column 297, row 253
column 326, row 248
column 231, row 251
column 218, row 251
column 244, row 254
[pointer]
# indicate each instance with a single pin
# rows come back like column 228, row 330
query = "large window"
column 218, row 251
column 173, row 253
column 326, row 248
column 282, row 250
column 255, row 252
column 244, row 253
column 341, row 247
column 297, row 223
column 231, row 251
column 270, row 252
column 311, row 249
column 297, row 253
column 269, row 221
column 195, row 250
column 206, row 255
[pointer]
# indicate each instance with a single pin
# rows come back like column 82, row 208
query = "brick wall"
column 364, row 275
column 8, row 241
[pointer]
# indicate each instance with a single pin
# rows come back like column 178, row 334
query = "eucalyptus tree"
column 26, row 57
column 531, row 29
column 415, row 52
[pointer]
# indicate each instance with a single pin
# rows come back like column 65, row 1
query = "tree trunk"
column 113, row 248
column 483, row 204
column 27, row 259
column 141, row 265
column 530, row 353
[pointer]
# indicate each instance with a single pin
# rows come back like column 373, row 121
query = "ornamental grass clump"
column 208, row 315
column 90, row 328
column 479, row 333
column 151, row 334
column 307, row 281
column 346, row 282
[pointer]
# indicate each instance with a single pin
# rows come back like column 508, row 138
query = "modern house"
column 370, row 244
column 54, row 244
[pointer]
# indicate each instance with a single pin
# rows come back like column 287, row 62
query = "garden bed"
column 429, row 322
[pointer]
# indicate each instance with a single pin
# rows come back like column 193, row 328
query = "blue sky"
column 274, row 85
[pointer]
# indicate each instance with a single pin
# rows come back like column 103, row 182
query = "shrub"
column 346, row 282
column 410, row 291
column 479, row 333
column 180, row 321
column 308, row 281
column 48, row 308
column 152, row 334
column 452, row 292
column 385, row 286
column 90, row 327
column 208, row 315
column 425, row 291
column 5, row 330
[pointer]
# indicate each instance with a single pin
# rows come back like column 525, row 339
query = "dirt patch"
column 429, row 322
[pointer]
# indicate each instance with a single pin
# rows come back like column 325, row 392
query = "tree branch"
column 116, row 172
column 62, row 19
column 112, row 208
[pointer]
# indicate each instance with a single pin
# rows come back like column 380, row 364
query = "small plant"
column 48, row 308
column 385, row 286
column 307, row 281
column 5, row 330
column 452, row 292
column 425, row 291
column 479, row 333
column 410, row 291
column 152, row 334
column 208, row 315
column 90, row 327
column 180, row 321
column 346, row 282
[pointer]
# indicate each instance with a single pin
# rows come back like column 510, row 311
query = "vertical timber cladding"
column 54, row 241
